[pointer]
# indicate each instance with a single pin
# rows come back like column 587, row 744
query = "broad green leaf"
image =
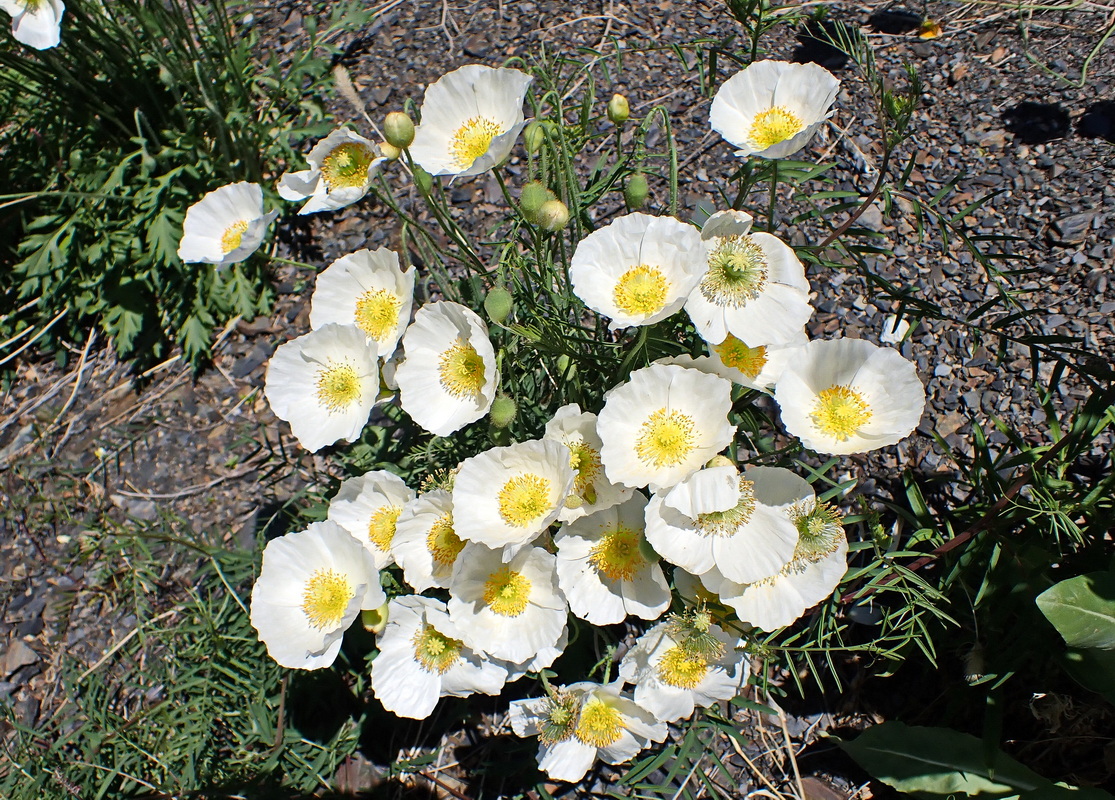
column 1082, row 609
column 936, row 762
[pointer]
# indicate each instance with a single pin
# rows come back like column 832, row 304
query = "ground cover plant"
column 592, row 456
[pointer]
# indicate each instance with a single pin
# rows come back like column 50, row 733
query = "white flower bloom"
column 663, row 425
column 638, row 269
column 471, row 118
column 715, row 518
column 506, row 496
column 754, row 288
column 583, row 722
column 603, row 568
column 369, row 290
column 342, row 166
column 508, row 610
column 426, row 545
column 448, row 378
column 592, row 491
column 543, row 659
column 894, row 330
column 676, row 667
column 368, row 506
column 324, row 384
column 757, row 367
column 422, row 658
column 36, row 23
column 845, row 396
column 772, row 108
column 225, row 226
column 311, row 587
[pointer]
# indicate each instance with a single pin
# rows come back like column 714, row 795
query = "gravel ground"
column 83, row 447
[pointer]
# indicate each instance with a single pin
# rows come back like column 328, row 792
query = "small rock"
column 18, row 655
column 1072, row 229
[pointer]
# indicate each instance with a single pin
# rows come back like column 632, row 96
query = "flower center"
column 377, row 313
column 840, row 411
column 737, row 355
column 435, row 651
column 682, row 668
column 600, row 725
column 472, row 140
column 726, row 523
column 559, row 717
column 346, row 165
column 523, row 499
column 325, row 598
column 443, row 542
column 820, row 527
column 338, row 386
column 381, row 528
column 507, row 592
column 617, row 555
column 461, row 370
column 773, row 126
column 585, row 461
column 230, row 239
column 665, row 439
column 737, row 272
column 641, row 291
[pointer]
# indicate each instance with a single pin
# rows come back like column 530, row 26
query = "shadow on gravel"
column 1098, row 121
column 1037, row 123
column 895, row 21
column 814, row 44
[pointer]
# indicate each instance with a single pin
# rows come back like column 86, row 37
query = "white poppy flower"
column 754, row 288
column 448, row 377
column 757, row 367
column 680, row 664
column 36, row 23
column 603, row 567
column 773, row 108
column 583, row 722
column 324, row 384
column 426, row 545
column 311, row 587
column 508, row 610
column 845, row 396
column 471, row 118
column 592, row 491
column 342, row 166
column 663, row 425
column 638, row 269
column 506, row 496
column 422, row 658
column 368, row 506
column 369, row 290
column 715, row 518
column 225, row 226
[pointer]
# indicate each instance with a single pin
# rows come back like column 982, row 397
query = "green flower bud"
column 532, row 197
column 498, row 304
column 534, row 137
column 636, row 191
column 553, row 215
column 618, row 109
column 503, row 411
column 398, row 129
column 389, row 151
column 719, row 461
column 375, row 620
column 423, row 180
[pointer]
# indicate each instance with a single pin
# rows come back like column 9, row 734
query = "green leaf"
column 936, row 762
column 1082, row 609
column 1092, row 668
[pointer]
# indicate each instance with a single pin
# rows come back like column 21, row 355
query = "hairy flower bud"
column 503, row 411
column 398, row 129
column 618, row 109
column 498, row 304
column 534, row 136
column 553, row 215
column 374, row 619
column 423, row 180
column 636, row 191
column 533, row 196
column 390, row 151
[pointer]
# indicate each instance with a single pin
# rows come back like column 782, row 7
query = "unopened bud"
column 398, row 129
column 719, row 461
column 423, row 180
column 618, row 109
column 498, row 304
column 533, row 195
column 553, row 216
column 374, row 619
column 534, row 137
column 503, row 411
column 636, row 191
column 390, row 151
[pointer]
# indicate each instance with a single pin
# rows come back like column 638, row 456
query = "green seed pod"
column 553, row 215
column 636, row 191
column 534, row 137
column 503, row 411
column 618, row 109
column 498, row 304
column 398, row 130
column 423, row 180
column 533, row 196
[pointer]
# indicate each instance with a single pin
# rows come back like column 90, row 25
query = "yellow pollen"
column 641, row 291
column 507, row 593
column 585, row 461
column 773, row 126
column 472, row 140
column 443, row 542
column 617, row 555
column 558, row 718
column 524, row 499
column 435, row 651
column 737, row 355
column 737, row 272
column 600, row 725
column 726, row 523
column 325, row 598
column 346, row 165
column 230, row 239
column 338, row 386
column 461, row 370
column 681, row 668
column 377, row 313
column 381, row 527
column 840, row 411
column 666, row 438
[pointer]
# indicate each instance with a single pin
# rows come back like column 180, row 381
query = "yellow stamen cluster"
column 726, row 523
column 443, row 542
column 585, row 461
column 233, row 235
column 774, row 125
column 617, row 555
column 377, row 313
column 524, row 499
column 326, row 597
column 737, row 272
column 840, row 411
column 472, row 140
column 381, row 527
column 435, row 651
column 737, row 355
column 507, row 592
column 641, row 291
column 559, row 717
column 666, row 438
column 682, row 668
column 461, row 370
column 820, row 529
column 338, row 386
column 600, row 725
column 347, row 165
